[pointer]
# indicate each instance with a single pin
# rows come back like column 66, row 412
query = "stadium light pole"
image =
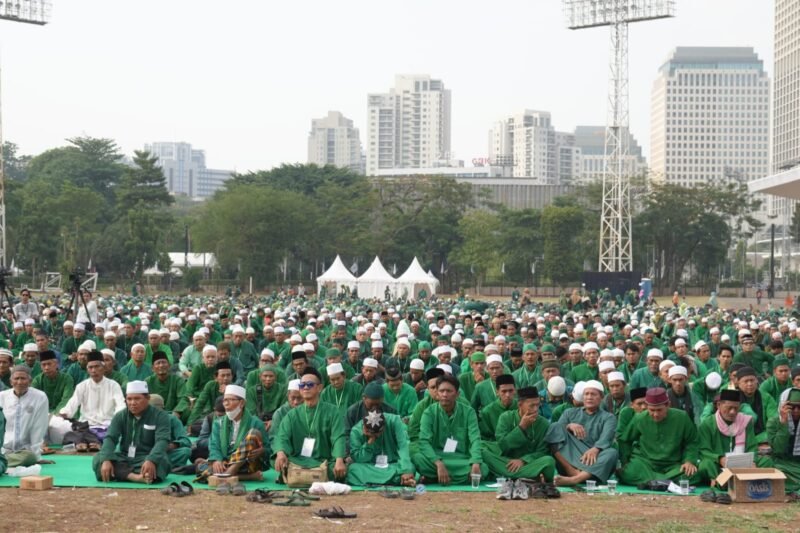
column 615, row 223
column 35, row 12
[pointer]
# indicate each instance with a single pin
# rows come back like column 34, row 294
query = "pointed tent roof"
column 433, row 278
column 414, row 274
column 376, row 272
column 337, row 272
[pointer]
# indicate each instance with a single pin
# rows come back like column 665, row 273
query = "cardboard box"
column 36, row 483
column 216, row 481
column 754, row 485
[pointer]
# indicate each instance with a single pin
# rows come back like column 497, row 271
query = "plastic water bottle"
column 421, row 489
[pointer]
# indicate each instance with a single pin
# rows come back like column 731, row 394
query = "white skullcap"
column 108, row 352
column 311, row 337
column 575, row 346
column 153, row 333
column 557, row 386
column 87, row 345
column 680, row 342
column 308, row 347
column 713, row 380
column 298, row 348
column 447, row 368
column 249, row 330
column 578, row 329
column 267, row 351
column 655, row 352
column 553, row 334
column 577, row 391
column 80, row 326
column 494, row 358
column 743, row 332
column 402, row 341
column 468, row 342
column 334, row 368
column 606, row 352
column 68, row 323
column 30, row 347
column 29, row 321
column 456, row 337
column 417, row 364
column 678, row 370
column 279, row 329
column 682, row 333
column 590, row 346
column 109, row 335
column 602, row 335
column 294, row 384
column 375, row 336
column 618, row 353
column 606, row 365
column 173, row 335
column 725, row 338
column 665, row 364
column 209, row 348
column 236, row 390
column 616, row 376
column 353, row 345
column 137, row 387
column 370, row 362
column 377, row 344
column 204, row 330
column 296, row 338
column 594, row 384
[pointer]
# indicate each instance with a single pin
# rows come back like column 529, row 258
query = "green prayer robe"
column 584, row 372
column 485, row 393
column 179, row 455
column 758, row 360
column 403, row 402
column 467, row 384
column 651, row 450
column 513, row 442
column 78, row 373
column 392, row 442
column 782, row 443
column 713, row 446
column 148, row 354
column 201, row 375
column 263, row 402
column 150, row 434
column 136, row 373
column 769, row 410
column 523, row 377
column 342, row 399
column 245, row 354
column 58, row 390
column 205, row 403
column 320, row 422
column 220, row 446
column 120, row 378
column 488, row 417
column 600, row 429
column 771, row 387
column 171, row 389
column 436, row 427
column 643, row 378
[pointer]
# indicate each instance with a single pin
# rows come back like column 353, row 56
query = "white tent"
column 433, row 278
column 373, row 282
column 336, row 276
column 413, row 280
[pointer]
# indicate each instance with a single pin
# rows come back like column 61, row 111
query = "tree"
column 562, row 255
column 479, row 252
column 144, row 182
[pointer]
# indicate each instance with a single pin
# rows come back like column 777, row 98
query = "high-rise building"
column 786, row 87
column 710, row 117
column 529, row 143
column 409, row 126
column 185, row 169
column 591, row 140
column 334, row 141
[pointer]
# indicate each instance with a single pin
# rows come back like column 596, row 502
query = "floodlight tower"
column 30, row 12
column 615, row 222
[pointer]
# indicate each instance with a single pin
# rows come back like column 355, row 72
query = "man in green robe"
column 379, row 450
column 167, row 385
column 617, row 398
column 266, row 396
column 135, row 447
column 780, row 380
column 529, row 373
column 488, row 417
column 341, row 392
column 243, row 350
column 58, row 386
column 728, row 431
column 239, row 445
column 109, row 364
column 681, row 396
column 449, row 439
column 469, row 380
column 398, row 394
column 659, row 444
column 223, row 376
column 179, row 448
column 750, row 355
column 202, row 373
column 648, row 376
column 137, row 368
column 293, row 399
column 154, row 345
column 6, row 362
column 312, row 433
column 637, row 405
column 784, row 437
column 522, row 451
column 763, row 406
column 583, row 439
column 486, row 391
column 193, row 354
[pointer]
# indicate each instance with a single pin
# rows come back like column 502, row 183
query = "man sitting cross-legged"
column 379, row 449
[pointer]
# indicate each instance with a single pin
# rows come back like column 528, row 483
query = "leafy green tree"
column 479, row 252
column 562, row 254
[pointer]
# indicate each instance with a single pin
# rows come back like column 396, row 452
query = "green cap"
column 781, row 360
column 478, row 357
column 333, row 352
column 794, row 395
column 548, row 348
column 423, row 345
column 373, row 391
column 529, row 347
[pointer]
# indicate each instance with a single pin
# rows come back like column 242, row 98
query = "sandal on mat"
column 185, row 489
column 334, row 512
column 292, row 501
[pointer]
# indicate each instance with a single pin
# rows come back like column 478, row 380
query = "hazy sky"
column 243, row 79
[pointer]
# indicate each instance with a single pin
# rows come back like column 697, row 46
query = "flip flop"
column 173, row 489
column 261, row 496
column 82, row 447
column 305, row 495
column 185, row 489
column 334, row 512
column 708, row 496
column 239, row 490
column 724, row 498
column 224, row 489
column 292, row 501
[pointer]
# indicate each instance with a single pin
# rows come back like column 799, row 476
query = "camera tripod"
column 76, row 292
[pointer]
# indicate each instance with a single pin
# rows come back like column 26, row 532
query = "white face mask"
column 233, row 414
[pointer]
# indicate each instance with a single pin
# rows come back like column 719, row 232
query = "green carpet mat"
column 76, row 471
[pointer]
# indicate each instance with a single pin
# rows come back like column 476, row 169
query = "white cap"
column 236, row 390
column 173, row 335
column 29, row 322
column 402, row 341
column 311, row 337
column 606, row 365
column 279, row 329
column 30, row 347
column 370, row 362
column 250, row 331
column 665, row 364
column 308, row 347
column 80, row 326
column 594, row 384
column 267, row 351
column 109, row 335
column 494, row 358
column 106, row 351
column 353, row 345
column 68, row 323
column 616, row 376
column 678, row 370
column 655, row 352
column 447, row 368
column 298, row 348
column 680, row 342
column 296, row 338
column 575, row 346
column 334, row 368
column 137, row 387
column 590, row 346
column 557, row 386
column 153, row 333
column 699, row 344
column 417, row 364
column 209, row 348
column 294, row 384
column 713, row 380
column 577, row 391
column 377, row 344
column 87, row 345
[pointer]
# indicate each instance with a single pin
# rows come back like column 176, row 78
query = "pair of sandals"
column 334, row 512
column 711, row 496
column 404, row 494
column 178, row 490
column 226, row 488
column 298, row 498
column 83, row 447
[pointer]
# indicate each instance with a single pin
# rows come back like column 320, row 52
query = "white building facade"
column 334, row 141
column 591, row 140
column 185, row 169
